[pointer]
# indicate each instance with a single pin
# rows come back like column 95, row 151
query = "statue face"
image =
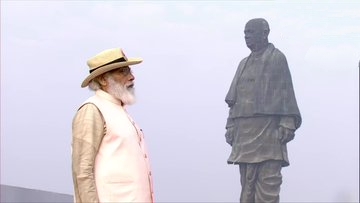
column 255, row 35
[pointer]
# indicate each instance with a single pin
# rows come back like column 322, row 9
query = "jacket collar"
column 107, row 96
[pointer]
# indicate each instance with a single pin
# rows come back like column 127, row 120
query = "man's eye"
column 124, row 71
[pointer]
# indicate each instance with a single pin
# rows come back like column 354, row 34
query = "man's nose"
column 131, row 77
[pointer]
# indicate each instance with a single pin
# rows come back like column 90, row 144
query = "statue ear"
column 266, row 32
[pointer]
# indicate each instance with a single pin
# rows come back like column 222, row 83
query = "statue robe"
column 261, row 97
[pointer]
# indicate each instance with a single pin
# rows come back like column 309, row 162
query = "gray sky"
column 191, row 50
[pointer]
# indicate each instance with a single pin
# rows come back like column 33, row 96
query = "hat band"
column 122, row 59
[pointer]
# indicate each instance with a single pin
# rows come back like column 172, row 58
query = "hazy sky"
column 191, row 50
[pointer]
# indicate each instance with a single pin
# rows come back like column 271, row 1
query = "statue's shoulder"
column 243, row 61
column 276, row 53
column 278, row 59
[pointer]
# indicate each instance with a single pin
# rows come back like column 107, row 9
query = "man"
column 109, row 158
column 263, row 116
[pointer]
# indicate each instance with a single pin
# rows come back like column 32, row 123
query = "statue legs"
column 260, row 182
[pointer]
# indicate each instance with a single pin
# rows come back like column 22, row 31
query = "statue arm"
column 229, row 135
column 287, row 129
column 287, row 122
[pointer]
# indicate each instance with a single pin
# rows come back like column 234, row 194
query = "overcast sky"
column 191, row 50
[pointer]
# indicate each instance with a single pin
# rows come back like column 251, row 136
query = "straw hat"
column 107, row 60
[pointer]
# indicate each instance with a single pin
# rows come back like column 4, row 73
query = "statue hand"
column 229, row 135
column 286, row 134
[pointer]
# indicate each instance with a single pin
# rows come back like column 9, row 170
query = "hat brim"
column 108, row 68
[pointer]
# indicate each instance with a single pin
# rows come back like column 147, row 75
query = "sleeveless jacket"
column 121, row 168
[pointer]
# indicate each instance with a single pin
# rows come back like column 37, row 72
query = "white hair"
column 94, row 85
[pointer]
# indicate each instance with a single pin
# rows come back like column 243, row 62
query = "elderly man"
column 263, row 116
column 109, row 158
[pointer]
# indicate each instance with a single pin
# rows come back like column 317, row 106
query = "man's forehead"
column 124, row 67
column 118, row 69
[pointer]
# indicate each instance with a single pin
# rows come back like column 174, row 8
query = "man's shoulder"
column 87, row 111
column 88, row 108
column 89, row 104
column 94, row 99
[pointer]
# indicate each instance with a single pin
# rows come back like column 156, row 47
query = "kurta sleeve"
column 88, row 129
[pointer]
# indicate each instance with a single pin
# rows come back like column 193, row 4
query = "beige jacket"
column 110, row 161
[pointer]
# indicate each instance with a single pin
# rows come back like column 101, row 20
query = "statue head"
column 256, row 34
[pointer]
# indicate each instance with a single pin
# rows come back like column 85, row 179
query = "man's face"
column 123, row 76
column 254, row 35
column 120, row 84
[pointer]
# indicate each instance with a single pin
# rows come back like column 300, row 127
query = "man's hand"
column 286, row 134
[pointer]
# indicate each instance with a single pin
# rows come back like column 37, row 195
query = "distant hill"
column 20, row 194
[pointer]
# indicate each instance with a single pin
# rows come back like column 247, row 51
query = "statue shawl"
column 274, row 92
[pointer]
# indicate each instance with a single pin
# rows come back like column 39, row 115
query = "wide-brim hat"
column 106, row 61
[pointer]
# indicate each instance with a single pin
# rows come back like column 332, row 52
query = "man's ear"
column 101, row 80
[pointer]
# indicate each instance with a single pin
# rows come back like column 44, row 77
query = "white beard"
column 121, row 92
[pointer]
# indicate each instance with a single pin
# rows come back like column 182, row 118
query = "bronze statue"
column 263, row 116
